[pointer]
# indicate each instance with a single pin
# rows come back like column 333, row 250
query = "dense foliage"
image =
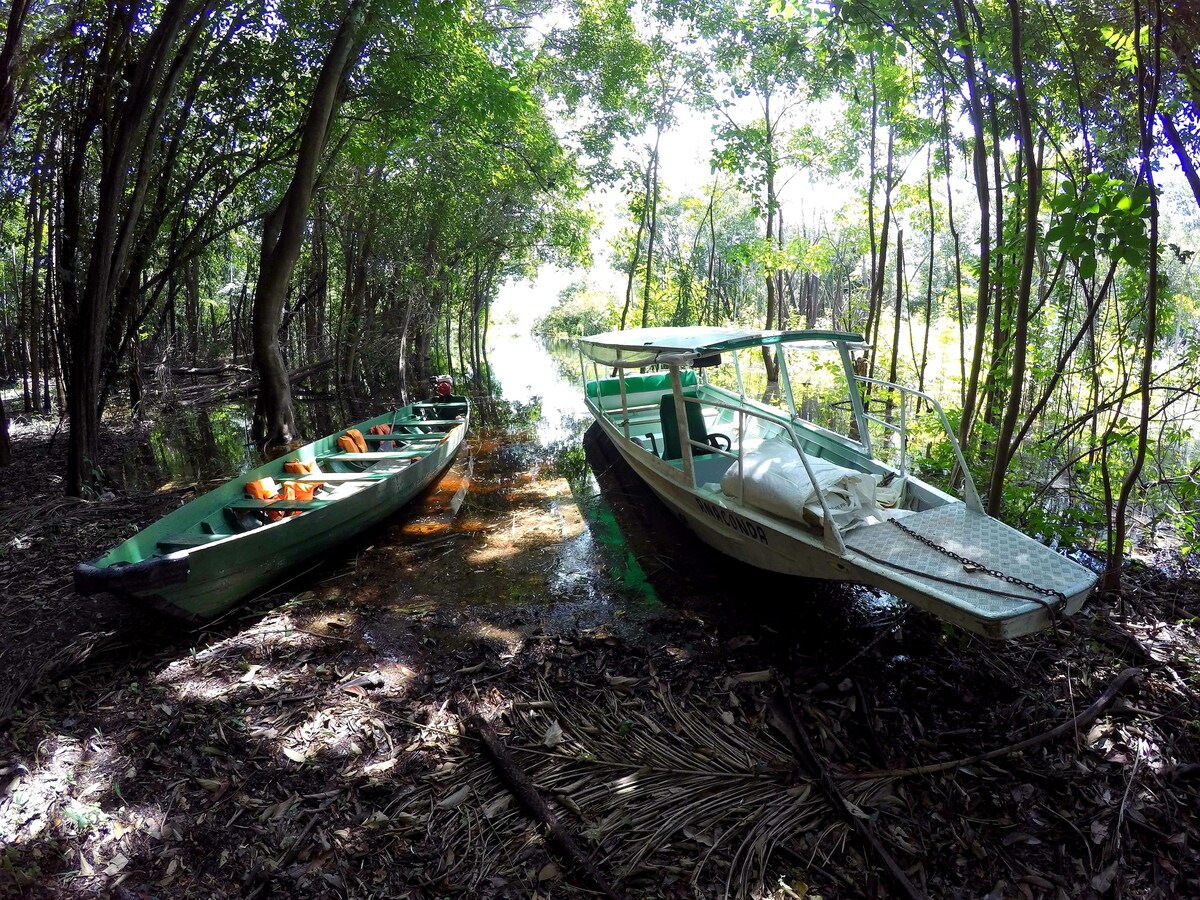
column 997, row 193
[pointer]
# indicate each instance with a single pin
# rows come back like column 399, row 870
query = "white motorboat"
column 786, row 489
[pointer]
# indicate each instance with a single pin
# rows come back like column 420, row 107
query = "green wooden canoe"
column 198, row 561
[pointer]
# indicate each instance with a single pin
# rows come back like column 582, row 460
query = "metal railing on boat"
column 970, row 493
column 831, row 534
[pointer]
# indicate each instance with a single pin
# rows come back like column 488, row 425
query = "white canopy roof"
column 636, row 348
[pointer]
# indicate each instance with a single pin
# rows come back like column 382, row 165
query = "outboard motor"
column 442, row 386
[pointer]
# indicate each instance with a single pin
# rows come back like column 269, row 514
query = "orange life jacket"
column 299, row 490
column 352, row 442
column 265, row 489
column 383, row 429
column 296, row 467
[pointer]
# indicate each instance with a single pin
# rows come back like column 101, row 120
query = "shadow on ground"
column 701, row 728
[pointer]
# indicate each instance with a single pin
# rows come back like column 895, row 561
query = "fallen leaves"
column 268, row 759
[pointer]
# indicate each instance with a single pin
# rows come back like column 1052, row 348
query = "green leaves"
column 1108, row 216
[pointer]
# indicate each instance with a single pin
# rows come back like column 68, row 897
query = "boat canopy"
column 637, row 348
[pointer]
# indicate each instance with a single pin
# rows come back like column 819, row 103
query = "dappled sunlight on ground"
column 318, row 744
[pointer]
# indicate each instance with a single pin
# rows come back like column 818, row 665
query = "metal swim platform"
column 964, row 589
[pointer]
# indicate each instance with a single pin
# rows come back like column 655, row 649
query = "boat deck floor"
column 983, row 540
column 341, row 484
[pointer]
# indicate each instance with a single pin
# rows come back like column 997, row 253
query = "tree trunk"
column 652, row 230
column 893, row 371
column 712, row 290
column 126, row 140
column 979, row 161
column 1181, row 154
column 877, row 276
column 637, row 249
column 283, row 237
column 1148, row 91
column 1001, row 302
column 769, row 359
column 1033, row 198
column 191, row 306
column 37, row 215
column 5, row 446
column 928, row 279
column 872, row 176
column 9, row 53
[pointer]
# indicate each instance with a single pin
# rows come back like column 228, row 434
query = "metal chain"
column 971, row 566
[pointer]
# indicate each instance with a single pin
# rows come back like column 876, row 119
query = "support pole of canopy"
column 624, row 402
column 685, row 444
column 787, row 381
column 860, row 418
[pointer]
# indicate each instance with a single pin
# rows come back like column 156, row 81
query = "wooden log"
column 518, row 782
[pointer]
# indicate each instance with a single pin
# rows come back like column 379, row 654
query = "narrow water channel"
column 651, row 554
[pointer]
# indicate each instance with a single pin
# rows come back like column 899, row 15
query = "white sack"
column 776, row 482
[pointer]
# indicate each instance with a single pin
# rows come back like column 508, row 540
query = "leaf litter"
column 319, row 748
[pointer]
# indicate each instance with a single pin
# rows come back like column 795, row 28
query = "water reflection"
column 544, row 376
column 526, row 369
column 189, row 444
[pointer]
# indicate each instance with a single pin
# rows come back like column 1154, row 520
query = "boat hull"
column 202, row 582
column 763, row 541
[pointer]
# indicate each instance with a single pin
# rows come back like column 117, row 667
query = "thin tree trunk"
column 652, row 231
column 979, row 161
column 958, row 291
column 283, row 237
column 1000, row 302
column 5, row 445
column 1033, row 199
column 9, row 53
column 1181, row 154
column 928, row 278
column 1148, row 90
column 872, row 177
column 893, row 371
column 712, row 296
column 880, row 273
column 637, row 248
column 37, row 203
column 769, row 360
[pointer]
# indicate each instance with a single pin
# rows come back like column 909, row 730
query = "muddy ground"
column 693, row 728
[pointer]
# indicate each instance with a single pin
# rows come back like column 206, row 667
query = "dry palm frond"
column 650, row 780
column 50, row 666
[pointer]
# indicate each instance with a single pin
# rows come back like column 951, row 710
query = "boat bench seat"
column 407, row 437
column 644, row 416
column 298, row 505
column 186, row 540
column 411, row 422
column 373, row 455
column 343, row 477
column 640, row 390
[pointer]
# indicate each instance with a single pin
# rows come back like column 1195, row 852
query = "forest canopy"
column 999, row 194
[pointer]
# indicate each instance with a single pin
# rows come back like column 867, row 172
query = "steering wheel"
column 716, row 438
